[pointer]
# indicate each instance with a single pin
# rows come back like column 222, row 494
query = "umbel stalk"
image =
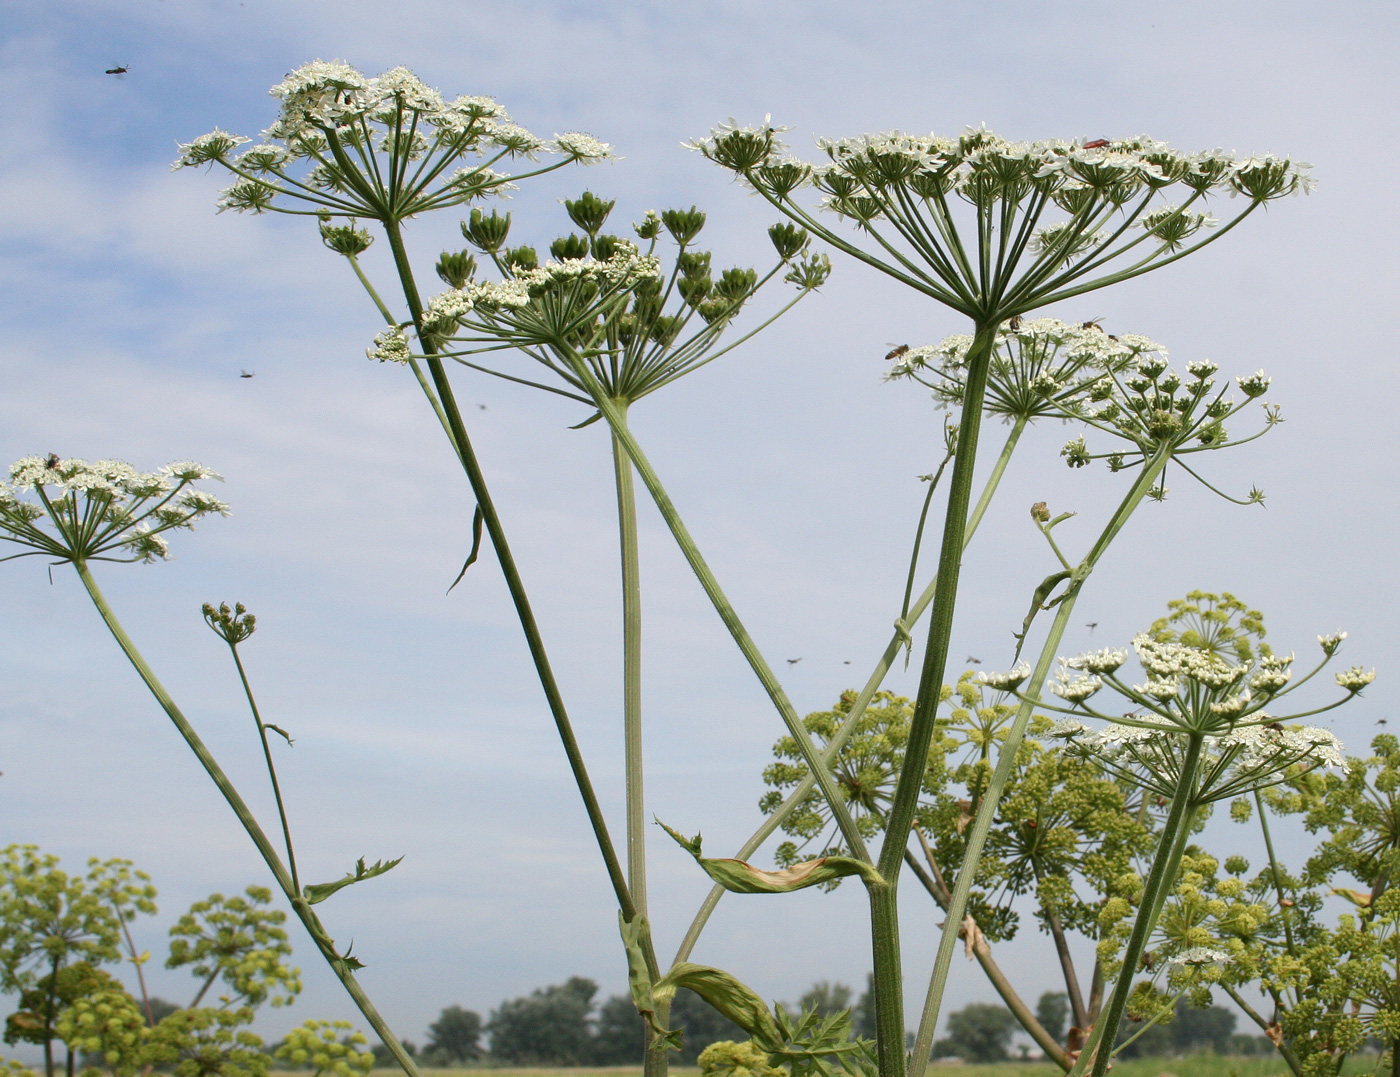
column 279, row 871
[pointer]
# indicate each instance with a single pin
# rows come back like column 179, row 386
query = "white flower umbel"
column 1039, row 367
column 72, row 510
column 383, row 148
column 1008, row 681
column 990, row 226
column 1198, row 956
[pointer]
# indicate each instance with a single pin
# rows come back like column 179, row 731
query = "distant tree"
column 1052, row 1011
column 826, row 998
column 1191, row 1029
column 384, row 1058
column 863, row 1016
column 620, row 1038
column 979, row 1032
column 160, row 1008
column 455, row 1036
column 549, row 1026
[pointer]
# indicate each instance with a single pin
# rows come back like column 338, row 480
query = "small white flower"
column 1355, row 678
column 1107, row 660
column 1067, row 729
column 1255, row 384
column 1331, row 643
column 390, row 346
column 1075, row 689
column 1008, row 681
column 582, row 147
column 1200, row 955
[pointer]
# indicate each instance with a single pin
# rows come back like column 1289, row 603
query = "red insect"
column 1097, row 144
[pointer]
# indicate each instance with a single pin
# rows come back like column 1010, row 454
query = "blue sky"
column 129, row 309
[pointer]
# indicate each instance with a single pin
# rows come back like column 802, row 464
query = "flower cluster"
column 601, row 300
column 1193, row 690
column 106, row 510
column 384, row 148
column 1040, row 367
column 1049, row 214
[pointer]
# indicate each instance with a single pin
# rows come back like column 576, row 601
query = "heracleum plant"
column 1196, row 732
column 995, row 230
column 384, row 150
column 610, row 323
column 76, row 513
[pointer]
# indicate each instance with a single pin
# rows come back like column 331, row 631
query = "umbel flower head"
column 996, row 228
column 1154, row 409
column 382, row 148
column 1041, row 367
column 72, row 510
column 601, row 300
column 1203, row 680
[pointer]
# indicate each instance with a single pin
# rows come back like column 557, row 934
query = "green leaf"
column 639, row 978
column 1041, row 594
column 730, row 997
column 477, row 520
column 741, row 877
column 318, row 892
column 279, row 731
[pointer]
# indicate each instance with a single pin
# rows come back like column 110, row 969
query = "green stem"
column 461, row 443
column 1006, row 762
column 271, row 768
column 1277, row 877
column 250, row 824
column 884, row 906
column 1158, row 1020
column 1176, row 831
column 1283, row 1049
column 825, row 781
column 867, row 693
column 631, row 676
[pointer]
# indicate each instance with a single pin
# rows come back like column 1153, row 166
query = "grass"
column 1198, row 1065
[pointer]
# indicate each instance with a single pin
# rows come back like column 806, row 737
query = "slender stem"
column 49, row 1014
column 1175, row 832
column 884, row 906
column 1277, row 877
column 461, row 443
column 1283, row 1049
column 1161, row 1018
column 271, row 767
column 825, row 780
column 204, row 988
column 1076, row 997
column 983, row 953
column 1095, row 994
column 250, row 824
column 1006, row 761
column 135, row 960
column 867, row 693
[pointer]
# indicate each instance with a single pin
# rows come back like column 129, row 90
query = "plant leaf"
column 318, row 892
column 1041, row 594
column 730, row 997
column 280, row 732
column 477, row 519
column 741, row 877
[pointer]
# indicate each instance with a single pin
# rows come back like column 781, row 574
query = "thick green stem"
column 658, row 1055
column 461, row 443
column 631, row 676
column 825, row 780
column 1006, row 761
column 250, row 824
column 884, row 905
column 1175, row 832
column 867, row 693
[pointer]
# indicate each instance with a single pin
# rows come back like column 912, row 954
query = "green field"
column 1198, row 1065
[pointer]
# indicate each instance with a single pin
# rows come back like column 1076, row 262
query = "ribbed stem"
column 825, row 780
column 1006, row 761
column 884, row 906
column 867, row 693
column 462, row 444
column 1175, row 832
column 250, row 824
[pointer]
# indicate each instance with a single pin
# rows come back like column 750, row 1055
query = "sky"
column 129, row 310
